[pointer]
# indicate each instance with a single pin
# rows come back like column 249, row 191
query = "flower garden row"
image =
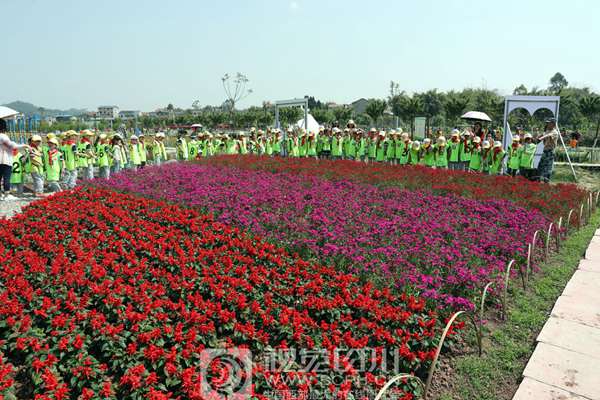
column 445, row 247
column 108, row 295
column 552, row 200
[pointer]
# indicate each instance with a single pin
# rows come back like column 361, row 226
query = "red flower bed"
column 552, row 200
column 107, row 295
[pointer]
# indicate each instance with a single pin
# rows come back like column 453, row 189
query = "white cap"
column 485, row 144
column 133, row 137
column 527, row 136
column 497, row 144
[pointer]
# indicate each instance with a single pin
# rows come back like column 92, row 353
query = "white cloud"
column 294, row 5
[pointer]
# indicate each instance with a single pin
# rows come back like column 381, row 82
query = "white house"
column 129, row 114
column 108, row 112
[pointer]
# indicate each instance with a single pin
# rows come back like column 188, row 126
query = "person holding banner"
column 550, row 141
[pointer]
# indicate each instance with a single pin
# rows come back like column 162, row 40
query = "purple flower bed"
column 447, row 247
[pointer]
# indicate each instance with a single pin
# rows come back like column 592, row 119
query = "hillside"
column 28, row 108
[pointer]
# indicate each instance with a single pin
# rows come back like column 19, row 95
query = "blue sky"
column 144, row 54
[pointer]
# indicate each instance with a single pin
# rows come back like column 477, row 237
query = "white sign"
column 419, row 128
column 539, row 150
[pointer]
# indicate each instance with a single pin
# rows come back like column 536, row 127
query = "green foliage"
column 589, row 106
column 455, row 106
column 323, row 115
column 342, row 114
column 375, row 109
column 290, row 115
column 557, row 83
column 406, row 108
column 362, row 120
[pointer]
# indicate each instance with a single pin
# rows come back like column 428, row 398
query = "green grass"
column 589, row 179
column 509, row 345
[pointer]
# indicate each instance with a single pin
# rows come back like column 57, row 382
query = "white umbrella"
column 6, row 112
column 477, row 116
column 197, row 126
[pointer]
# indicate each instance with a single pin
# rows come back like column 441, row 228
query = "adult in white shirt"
column 7, row 147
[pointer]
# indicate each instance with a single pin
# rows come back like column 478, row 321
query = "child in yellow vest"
column 37, row 165
column 54, row 165
column 135, row 160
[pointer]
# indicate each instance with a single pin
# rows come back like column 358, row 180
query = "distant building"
column 108, row 112
column 65, row 118
column 359, row 106
column 129, row 114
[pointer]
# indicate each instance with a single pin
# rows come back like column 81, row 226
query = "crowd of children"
column 469, row 150
column 60, row 160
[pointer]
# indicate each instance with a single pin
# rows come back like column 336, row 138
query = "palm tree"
column 589, row 106
column 432, row 104
column 410, row 108
column 171, row 110
column 375, row 109
column 455, row 106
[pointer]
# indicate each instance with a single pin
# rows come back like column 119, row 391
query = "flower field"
column 120, row 289
column 552, row 200
column 114, row 296
column 446, row 247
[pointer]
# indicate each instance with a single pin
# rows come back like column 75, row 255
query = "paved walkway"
column 566, row 362
column 8, row 208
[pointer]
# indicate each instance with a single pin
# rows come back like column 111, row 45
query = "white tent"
column 311, row 122
column 6, row 112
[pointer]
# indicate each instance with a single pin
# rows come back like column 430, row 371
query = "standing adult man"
column 550, row 140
